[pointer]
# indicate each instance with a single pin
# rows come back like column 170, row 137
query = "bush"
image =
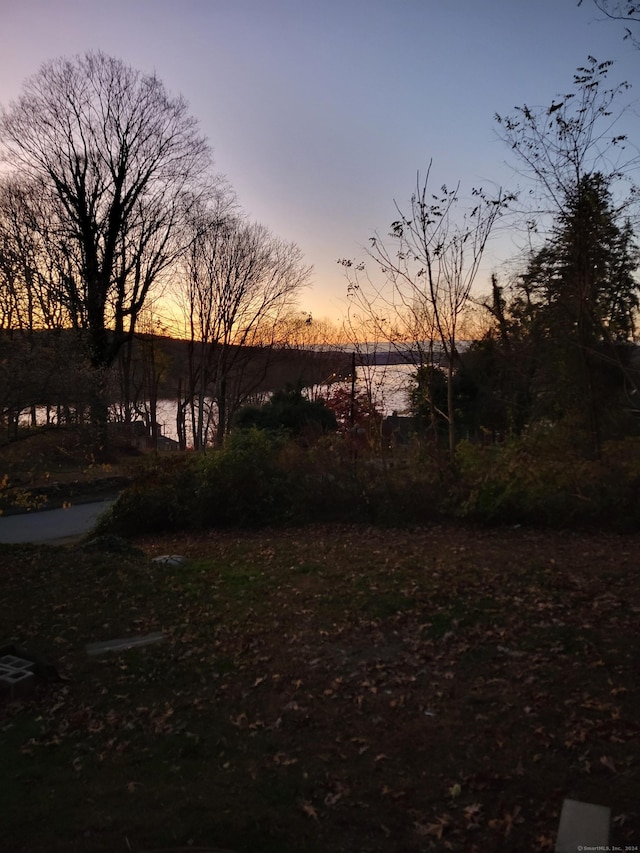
column 289, row 412
column 161, row 499
column 243, row 484
column 262, row 478
column 541, row 480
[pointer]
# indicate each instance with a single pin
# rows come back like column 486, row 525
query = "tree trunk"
column 451, row 408
column 99, row 413
column 222, row 412
column 181, row 426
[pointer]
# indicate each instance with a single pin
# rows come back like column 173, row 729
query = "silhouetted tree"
column 577, row 299
column 240, row 280
column 118, row 162
column 429, row 263
column 291, row 412
column 32, row 264
column 580, row 292
column 621, row 10
column 575, row 136
column 562, row 343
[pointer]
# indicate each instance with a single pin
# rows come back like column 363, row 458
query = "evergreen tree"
column 584, row 299
column 562, row 343
column 288, row 411
column 582, row 279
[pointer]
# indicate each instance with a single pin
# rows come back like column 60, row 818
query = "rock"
column 171, row 560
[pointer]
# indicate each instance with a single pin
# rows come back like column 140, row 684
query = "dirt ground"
column 331, row 688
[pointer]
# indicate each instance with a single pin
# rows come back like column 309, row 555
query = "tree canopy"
column 291, row 412
column 116, row 161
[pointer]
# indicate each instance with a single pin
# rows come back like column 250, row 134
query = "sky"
column 320, row 113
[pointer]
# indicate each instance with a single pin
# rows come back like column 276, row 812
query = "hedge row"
column 262, row 479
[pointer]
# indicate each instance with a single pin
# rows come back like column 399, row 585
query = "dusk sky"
column 320, row 112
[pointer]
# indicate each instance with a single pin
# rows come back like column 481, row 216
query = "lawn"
column 338, row 689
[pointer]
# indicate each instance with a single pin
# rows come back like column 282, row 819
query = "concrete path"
column 52, row 526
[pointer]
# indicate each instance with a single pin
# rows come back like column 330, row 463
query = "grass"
column 327, row 688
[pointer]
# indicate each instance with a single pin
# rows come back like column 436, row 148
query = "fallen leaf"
column 309, row 810
column 283, row 759
column 608, row 762
column 436, row 829
column 455, row 790
column 472, row 815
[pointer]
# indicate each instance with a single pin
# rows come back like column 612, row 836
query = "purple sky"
column 320, row 112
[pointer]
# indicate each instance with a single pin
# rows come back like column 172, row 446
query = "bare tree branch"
column 119, row 161
column 428, row 262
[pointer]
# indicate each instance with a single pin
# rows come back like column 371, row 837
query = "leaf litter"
column 328, row 688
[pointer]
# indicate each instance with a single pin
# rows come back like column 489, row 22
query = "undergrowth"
column 264, row 479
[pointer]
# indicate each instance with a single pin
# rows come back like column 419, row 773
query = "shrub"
column 161, row 499
column 243, row 484
column 289, row 412
column 541, row 480
column 263, row 478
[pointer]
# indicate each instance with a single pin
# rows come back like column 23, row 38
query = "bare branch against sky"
column 319, row 114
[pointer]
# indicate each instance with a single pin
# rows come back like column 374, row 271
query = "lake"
column 387, row 386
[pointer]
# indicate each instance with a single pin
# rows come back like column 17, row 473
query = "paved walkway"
column 52, row 526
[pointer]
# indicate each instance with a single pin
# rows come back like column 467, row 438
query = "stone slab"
column 124, row 643
column 583, row 826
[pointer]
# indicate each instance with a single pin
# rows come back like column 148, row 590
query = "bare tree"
column 577, row 135
column 240, row 280
column 620, row 10
column 429, row 263
column 32, row 268
column 30, row 299
column 120, row 162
